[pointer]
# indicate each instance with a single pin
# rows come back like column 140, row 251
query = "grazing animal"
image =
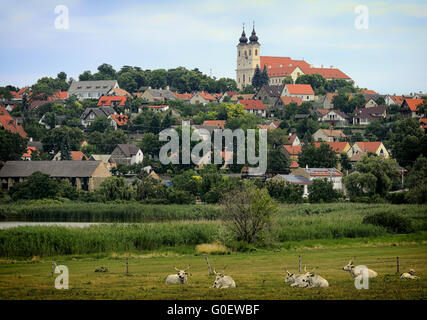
column 222, row 281
column 409, row 275
column 350, row 268
column 293, row 279
column 180, row 278
column 311, row 280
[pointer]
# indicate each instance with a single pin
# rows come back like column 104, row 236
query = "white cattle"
column 293, row 279
column 409, row 275
column 351, row 269
column 311, row 280
column 222, row 281
column 179, row 278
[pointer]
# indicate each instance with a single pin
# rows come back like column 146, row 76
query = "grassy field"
column 258, row 275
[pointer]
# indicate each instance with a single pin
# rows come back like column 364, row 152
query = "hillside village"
column 320, row 126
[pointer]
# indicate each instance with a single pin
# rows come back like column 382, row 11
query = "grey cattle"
column 409, row 275
column 222, row 281
column 311, row 280
column 293, row 279
column 350, row 267
column 179, row 278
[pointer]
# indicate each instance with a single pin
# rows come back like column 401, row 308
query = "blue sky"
column 389, row 56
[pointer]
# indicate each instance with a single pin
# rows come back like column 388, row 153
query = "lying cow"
column 311, row 280
column 222, row 281
column 409, row 275
column 350, row 267
column 293, row 279
column 180, row 278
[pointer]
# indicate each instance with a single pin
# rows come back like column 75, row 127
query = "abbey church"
column 249, row 57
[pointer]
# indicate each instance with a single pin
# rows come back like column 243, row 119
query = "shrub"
column 212, row 248
column 284, row 191
column 323, row 190
column 180, row 197
column 393, row 222
column 36, row 186
column 398, row 197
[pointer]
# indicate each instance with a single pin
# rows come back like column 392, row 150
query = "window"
column 243, row 78
column 256, row 52
column 239, row 53
column 250, row 52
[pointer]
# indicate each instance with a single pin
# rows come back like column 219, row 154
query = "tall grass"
column 290, row 223
column 105, row 212
column 55, row 240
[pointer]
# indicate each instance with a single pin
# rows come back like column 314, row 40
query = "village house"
column 227, row 96
column 335, row 118
column 293, row 140
column 217, row 123
column 393, row 99
column 203, row 98
column 118, row 120
column 328, row 100
column 186, row 97
column 376, row 147
column 292, row 152
column 157, row 95
column 365, row 116
column 84, row 175
column 18, row 95
column 370, row 103
column 92, row 89
column 156, row 108
column 127, row 154
column 104, row 158
column 9, row 124
column 330, row 174
column 337, row 147
column 303, row 91
column 269, row 94
column 112, row 101
column 255, row 107
column 74, row 155
column 329, row 135
column 284, row 101
column 26, row 156
column 409, row 107
column 245, row 96
column 294, row 179
column 91, row 114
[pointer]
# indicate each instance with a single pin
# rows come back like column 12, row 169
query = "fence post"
column 127, row 265
column 299, row 266
column 397, row 264
column 209, row 266
column 52, row 270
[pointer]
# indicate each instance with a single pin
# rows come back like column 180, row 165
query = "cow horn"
column 189, row 266
column 214, row 271
column 305, row 268
column 176, row 268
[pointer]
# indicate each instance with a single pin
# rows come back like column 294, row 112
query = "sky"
column 387, row 54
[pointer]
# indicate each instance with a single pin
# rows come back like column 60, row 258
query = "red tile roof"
column 160, row 106
column 3, row 111
column 369, row 146
column 216, row 123
column 207, row 96
column 330, row 95
column 183, row 96
column 252, row 104
column 328, row 73
column 28, row 152
column 294, row 165
column 8, row 123
column 293, row 150
column 413, row 103
column 288, row 100
column 397, row 99
column 59, row 95
column 300, row 89
column 108, row 101
column 333, row 133
column 120, row 119
column 322, row 111
column 338, row 147
column 291, row 139
column 369, row 91
column 77, row 155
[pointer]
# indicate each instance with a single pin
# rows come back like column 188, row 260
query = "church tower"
column 248, row 58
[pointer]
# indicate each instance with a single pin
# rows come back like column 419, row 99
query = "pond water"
column 13, row 224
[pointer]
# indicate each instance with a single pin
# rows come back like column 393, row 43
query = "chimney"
column 31, row 139
column 167, row 87
column 332, row 67
column 306, row 167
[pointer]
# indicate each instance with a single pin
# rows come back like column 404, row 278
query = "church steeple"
column 243, row 39
column 253, row 38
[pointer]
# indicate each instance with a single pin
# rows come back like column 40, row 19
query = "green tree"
column 12, row 146
column 322, row 190
column 116, row 188
column 37, row 186
column 322, row 157
column 248, row 212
